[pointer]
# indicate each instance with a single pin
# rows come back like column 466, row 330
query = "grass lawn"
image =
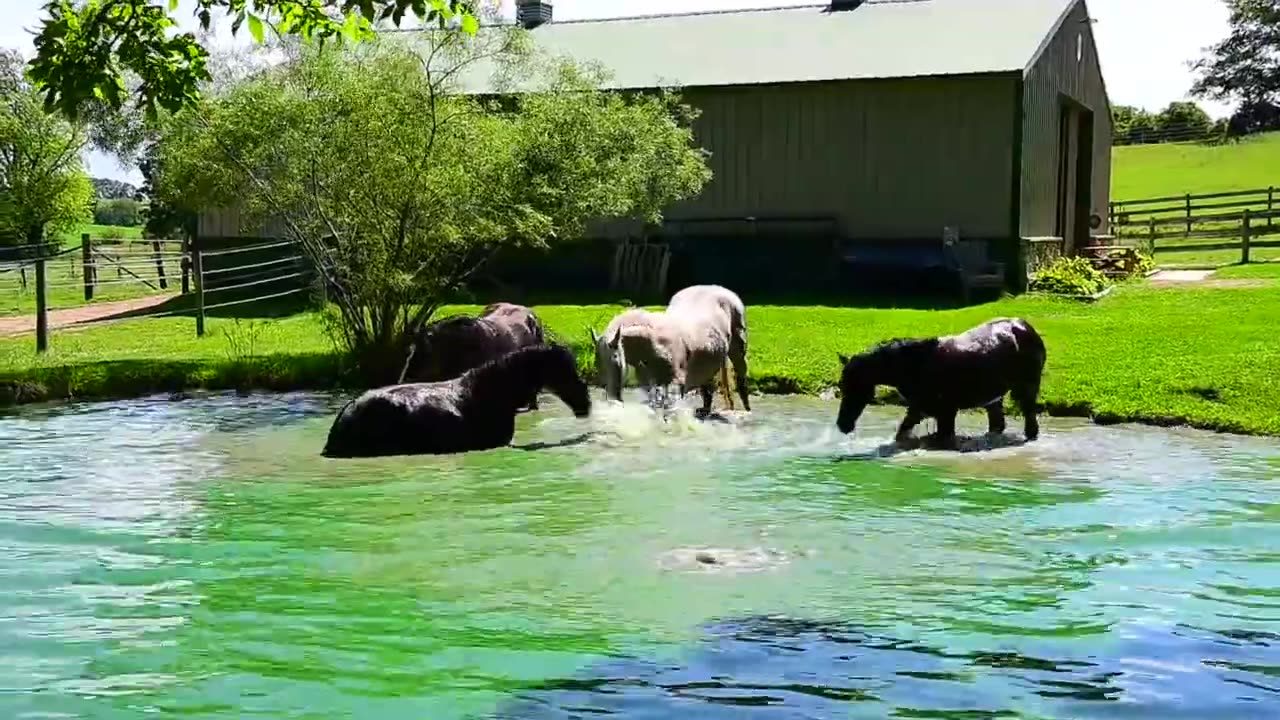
column 102, row 232
column 1149, row 171
column 65, row 277
column 1206, row 356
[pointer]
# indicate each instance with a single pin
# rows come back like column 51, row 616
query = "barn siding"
column 888, row 159
column 1055, row 73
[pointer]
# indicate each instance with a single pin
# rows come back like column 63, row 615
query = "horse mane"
column 887, row 354
column 452, row 322
column 513, row 364
column 899, row 345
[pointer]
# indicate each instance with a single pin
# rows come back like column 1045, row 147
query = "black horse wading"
column 939, row 376
column 475, row 411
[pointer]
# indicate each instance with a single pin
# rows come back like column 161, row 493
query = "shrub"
column 1146, row 263
column 1069, row 276
column 110, row 234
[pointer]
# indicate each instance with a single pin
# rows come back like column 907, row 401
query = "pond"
column 199, row 559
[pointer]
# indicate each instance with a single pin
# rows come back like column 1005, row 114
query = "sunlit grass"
column 1205, row 356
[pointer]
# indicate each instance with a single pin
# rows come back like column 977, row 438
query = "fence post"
column 1271, row 206
column 1151, row 235
column 1188, row 214
column 197, row 263
column 42, row 308
column 186, row 265
column 1245, row 232
column 90, row 273
column 155, row 247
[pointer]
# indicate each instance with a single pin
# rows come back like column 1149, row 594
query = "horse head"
column 857, row 390
column 610, row 362
column 560, row 376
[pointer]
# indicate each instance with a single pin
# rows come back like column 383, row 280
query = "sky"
column 1143, row 46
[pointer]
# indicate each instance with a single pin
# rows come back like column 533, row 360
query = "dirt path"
column 1202, row 278
column 23, row 324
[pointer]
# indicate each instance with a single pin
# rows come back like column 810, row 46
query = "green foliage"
column 45, row 189
column 161, row 218
column 85, row 47
column 108, row 189
column 1179, row 122
column 399, row 190
column 1069, row 276
column 1244, row 66
column 1146, row 263
column 125, row 213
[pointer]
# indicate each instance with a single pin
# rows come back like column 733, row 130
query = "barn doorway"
column 1075, row 174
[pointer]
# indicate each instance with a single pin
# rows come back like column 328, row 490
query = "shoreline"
column 130, row 380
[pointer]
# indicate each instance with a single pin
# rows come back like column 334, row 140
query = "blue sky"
column 1144, row 45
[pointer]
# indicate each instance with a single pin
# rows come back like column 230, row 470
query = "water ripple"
column 200, row 559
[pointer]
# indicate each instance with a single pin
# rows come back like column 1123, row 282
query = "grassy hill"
column 1142, row 171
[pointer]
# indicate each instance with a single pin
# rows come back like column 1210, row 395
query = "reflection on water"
column 806, row 669
column 200, row 559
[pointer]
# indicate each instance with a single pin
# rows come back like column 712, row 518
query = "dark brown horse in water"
column 940, row 376
column 447, row 348
column 475, row 411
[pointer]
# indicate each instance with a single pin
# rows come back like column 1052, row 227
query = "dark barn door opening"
column 1075, row 174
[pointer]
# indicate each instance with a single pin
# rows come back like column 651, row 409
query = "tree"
column 85, row 47
column 1245, row 66
column 1182, row 120
column 43, row 186
column 123, row 212
column 398, row 188
column 162, row 219
column 108, row 189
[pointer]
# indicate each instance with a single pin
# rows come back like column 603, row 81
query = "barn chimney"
column 837, row 5
column 532, row 13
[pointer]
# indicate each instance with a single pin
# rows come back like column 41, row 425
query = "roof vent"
column 837, row 5
column 532, row 13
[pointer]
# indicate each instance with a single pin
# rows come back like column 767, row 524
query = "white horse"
column 703, row 328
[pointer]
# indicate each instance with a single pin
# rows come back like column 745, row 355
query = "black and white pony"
column 939, row 376
column 475, row 411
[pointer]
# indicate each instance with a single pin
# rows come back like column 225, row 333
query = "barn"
column 892, row 138
column 871, row 129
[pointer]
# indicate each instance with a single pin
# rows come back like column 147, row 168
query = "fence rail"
column 141, row 265
column 1187, row 206
column 1204, row 222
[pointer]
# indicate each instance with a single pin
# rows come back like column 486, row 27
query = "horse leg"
column 995, row 417
column 909, row 422
column 1026, row 399
column 945, row 438
column 708, row 394
column 724, row 385
column 738, row 356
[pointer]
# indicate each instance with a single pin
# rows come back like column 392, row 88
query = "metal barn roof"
column 879, row 39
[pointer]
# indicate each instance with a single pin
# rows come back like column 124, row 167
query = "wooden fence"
column 241, row 273
column 1212, row 222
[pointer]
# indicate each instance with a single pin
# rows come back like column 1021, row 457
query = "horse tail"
column 413, row 348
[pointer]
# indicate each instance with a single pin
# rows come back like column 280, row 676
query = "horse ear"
column 617, row 339
column 844, row 359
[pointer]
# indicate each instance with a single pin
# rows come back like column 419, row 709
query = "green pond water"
column 198, row 559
